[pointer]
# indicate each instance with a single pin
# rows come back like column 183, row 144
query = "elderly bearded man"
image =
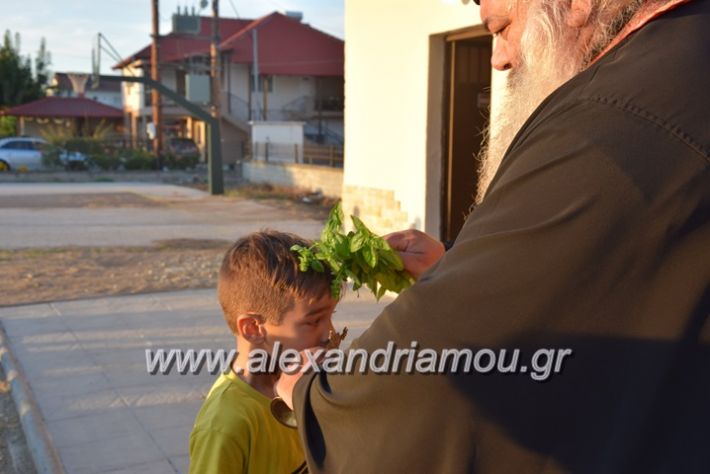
column 592, row 235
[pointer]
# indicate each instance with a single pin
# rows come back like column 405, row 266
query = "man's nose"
column 502, row 57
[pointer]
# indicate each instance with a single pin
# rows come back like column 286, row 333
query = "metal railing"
column 270, row 152
column 301, row 109
column 330, row 104
column 323, row 135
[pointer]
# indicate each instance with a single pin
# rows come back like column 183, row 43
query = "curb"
column 44, row 455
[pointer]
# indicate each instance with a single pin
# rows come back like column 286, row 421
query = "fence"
column 299, row 109
column 269, row 152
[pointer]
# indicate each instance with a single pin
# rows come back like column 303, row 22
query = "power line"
column 234, row 8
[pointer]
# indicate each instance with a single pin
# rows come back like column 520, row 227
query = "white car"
column 25, row 153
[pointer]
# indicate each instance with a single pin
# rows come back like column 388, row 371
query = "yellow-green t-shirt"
column 234, row 432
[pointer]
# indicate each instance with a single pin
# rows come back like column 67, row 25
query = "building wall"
column 290, row 88
column 132, row 92
column 308, row 177
column 134, row 95
column 286, row 89
column 237, row 83
column 113, row 99
column 394, row 63
column 168, row 77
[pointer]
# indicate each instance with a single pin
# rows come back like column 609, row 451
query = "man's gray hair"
column 608, row 18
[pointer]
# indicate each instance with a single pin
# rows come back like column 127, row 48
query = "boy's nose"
column 326, row 334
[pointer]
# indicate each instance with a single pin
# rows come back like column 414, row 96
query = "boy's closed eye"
column 313, row 322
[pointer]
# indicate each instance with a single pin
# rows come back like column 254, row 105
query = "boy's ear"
column 250, row 328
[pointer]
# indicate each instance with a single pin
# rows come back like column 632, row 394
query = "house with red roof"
column 275, row 68
column 72, row 115
column 108, row 93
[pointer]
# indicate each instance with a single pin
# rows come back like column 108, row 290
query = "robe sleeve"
column 557, row 255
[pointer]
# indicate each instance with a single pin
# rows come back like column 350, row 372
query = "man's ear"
column 250, row 328
column 579, row 13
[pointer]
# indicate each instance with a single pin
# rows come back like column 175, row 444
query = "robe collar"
column 643, row 17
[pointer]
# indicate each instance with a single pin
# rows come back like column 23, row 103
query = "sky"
column 70, row 26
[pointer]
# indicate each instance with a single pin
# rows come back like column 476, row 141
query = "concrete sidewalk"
column 86, row 366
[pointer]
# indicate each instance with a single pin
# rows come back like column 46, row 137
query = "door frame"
column 447, row 139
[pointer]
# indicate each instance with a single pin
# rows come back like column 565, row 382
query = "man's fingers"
column 397, row 240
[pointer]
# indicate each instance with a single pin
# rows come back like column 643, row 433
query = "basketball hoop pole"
column 214, row 151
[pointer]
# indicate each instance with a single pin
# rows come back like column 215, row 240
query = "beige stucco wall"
column 132, row 92
column 394, row 53
column 308, row 177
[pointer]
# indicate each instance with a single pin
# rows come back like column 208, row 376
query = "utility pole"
column 215, row 142
column 255, row 70
column 215, row 59
column 265, row 89
column 155, row 75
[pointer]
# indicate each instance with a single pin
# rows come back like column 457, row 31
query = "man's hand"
column 418, row 250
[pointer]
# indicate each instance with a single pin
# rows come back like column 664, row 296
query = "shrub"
column 174, row 162
column 105, row 161
column 134, row 159
column 8, row 126
column 51, row 156
column 87, row 146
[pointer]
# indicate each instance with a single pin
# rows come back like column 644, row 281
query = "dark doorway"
column 467, row 110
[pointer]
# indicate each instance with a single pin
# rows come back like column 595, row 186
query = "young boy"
column 265, row 299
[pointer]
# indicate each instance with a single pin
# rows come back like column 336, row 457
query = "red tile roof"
column 286, row 46
column 65, row 107
column 177, row 46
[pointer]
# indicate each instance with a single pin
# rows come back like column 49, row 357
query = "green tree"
column 42, row 63
column 8, row 126
column 18, row 84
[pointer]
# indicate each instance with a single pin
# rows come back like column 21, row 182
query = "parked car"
column 182, row 148
column 25, row 153
column 182, row 153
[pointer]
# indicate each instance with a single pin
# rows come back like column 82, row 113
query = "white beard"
column 545, row 65
column 550, row 57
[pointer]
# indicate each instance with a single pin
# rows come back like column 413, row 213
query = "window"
column 36, row 145
column 180, row 82
column 147, row 99
column 17, row 145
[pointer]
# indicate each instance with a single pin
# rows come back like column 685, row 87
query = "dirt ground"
column 54, row 274
column 36, row 275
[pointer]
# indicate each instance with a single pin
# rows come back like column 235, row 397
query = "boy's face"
column 307, row 324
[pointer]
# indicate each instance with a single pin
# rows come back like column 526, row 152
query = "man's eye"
column 315, row 322
column 500, row 31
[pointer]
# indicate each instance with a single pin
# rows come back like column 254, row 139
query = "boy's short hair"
column 260, row 274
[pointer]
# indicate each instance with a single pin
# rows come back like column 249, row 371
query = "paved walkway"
column 85, row 364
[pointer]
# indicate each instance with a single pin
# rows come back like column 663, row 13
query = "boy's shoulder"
column 235, row 432
column 232, row 407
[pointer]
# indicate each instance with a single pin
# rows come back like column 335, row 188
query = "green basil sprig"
column 360, row 255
